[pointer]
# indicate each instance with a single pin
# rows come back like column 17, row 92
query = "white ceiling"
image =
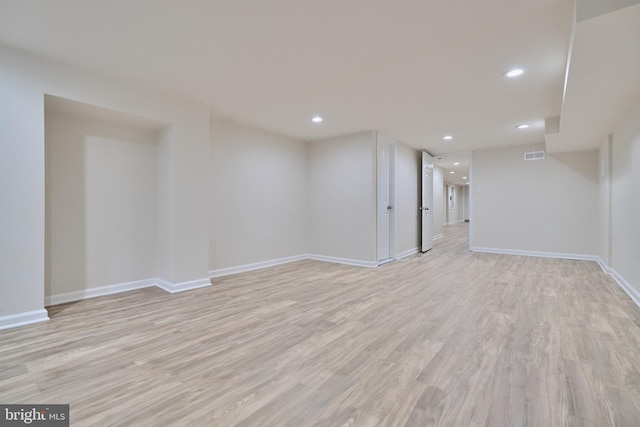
column 603, row 80
column 414, row 70
column 447, row 162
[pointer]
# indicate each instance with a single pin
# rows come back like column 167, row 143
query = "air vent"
column 534, row 155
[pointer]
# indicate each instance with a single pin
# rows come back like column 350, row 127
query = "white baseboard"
column 183, row 286
column 273, row 262
column 124, row 287
column 27, row 318
column 626, row 286
column 438, row 237
column 193, row 284
column 97, row 292
column 254, row 266
column 540, row 254
column 354, row 262
column 407, row 253
column 21, row 319
column 603, row 266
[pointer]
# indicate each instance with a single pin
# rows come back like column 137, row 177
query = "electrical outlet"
column 267, row 235
column 549, row 228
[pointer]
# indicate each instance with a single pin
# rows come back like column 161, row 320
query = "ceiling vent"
column 534, row 155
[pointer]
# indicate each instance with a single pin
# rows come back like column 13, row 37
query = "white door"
column 427, row 202
column 384, row 200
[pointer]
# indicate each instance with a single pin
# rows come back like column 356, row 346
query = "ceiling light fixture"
column 514, row 72
column 447, row 137
column 452, row 171
column 316, row 119
column 456, row 163
column 523, row 126
column 464, row 177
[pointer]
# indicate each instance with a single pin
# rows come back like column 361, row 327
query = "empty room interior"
column 321, row 213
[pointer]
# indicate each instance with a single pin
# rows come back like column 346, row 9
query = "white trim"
column 98, row 291
column 540, row 254
column 355, row 262
column 125, row 287
column 408, row 252
column 393, row 221
column 254, row 266
column 21, row 319
column 183, row 286
column 603, row 266
column 471, row 200
column 438, row 237
column 273, row 262
column 626, row 286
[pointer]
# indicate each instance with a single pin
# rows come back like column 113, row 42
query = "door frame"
column 426, row 203
column 382, row 139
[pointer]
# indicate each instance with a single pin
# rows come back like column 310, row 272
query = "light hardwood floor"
column 447, row 338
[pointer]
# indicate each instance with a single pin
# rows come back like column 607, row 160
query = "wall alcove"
column 101, row 197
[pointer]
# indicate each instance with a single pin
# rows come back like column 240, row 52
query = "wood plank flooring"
column 447, row 338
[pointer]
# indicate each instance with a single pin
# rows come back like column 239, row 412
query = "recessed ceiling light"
column 452, row 171
column 456, row 163
column 514, row 72
column 447, row 137
column 523, row 126
column 464, row 177
column 467, row 182
column 316, row 119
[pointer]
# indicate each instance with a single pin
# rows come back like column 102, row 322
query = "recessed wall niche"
column 101, row 197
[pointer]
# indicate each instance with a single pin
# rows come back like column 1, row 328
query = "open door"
column 427, row 202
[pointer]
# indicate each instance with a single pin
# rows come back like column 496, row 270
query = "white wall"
column 455, row 214
column 407, row 199
column 625, row 198
column 466, row 202
column 22, row 193
column 166, row 232
column 24, row 81
column 259, row 196
column 439, row 203
column 101, row 211
column 515, row 201
column 342, row 197
column 604, row 200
